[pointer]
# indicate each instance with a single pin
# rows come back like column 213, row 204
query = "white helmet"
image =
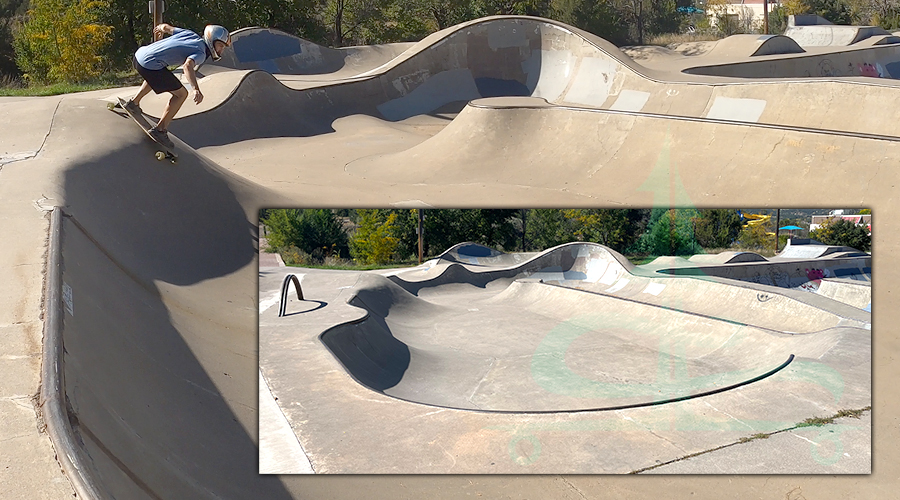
column 215, row 32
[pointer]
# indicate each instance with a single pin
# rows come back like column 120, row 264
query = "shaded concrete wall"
column 278, row 52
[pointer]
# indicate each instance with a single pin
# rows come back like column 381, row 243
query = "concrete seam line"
column 52, row 396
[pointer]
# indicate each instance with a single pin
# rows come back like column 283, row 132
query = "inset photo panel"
column 565, row 341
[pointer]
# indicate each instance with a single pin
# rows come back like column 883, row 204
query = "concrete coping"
column 53, row 409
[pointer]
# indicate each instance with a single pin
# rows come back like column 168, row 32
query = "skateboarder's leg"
column 143, row 91
column 175, row 102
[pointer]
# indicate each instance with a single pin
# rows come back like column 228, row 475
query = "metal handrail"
column 285, row 288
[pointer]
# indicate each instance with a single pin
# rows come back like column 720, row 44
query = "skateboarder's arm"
column 162, row 29
column 190, row 71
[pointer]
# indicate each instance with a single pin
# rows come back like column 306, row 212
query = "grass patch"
column 350, row 266
column 761, row 435
column 852, row 413
column 16, row 87
column 810, row 422
column 640, row 260
column 666, row 39
column 820, row 421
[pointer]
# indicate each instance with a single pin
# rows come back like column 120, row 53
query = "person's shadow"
column 161, row 346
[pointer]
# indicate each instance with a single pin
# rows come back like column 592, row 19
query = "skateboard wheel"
column 160, row 155
column 110, row 106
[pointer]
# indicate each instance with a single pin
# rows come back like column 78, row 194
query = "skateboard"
column 167, row 153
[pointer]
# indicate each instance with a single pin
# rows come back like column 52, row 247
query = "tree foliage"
column 490, row 227
column 617, row 229
column 670, row 232
column 837, row 231
column 62, row 41
column 11, row 13
column 384, row 236
column 317, row 232
column 758, row 237
column 547, row 228
column 376, row 239
column 103, row 34
column 717, row 228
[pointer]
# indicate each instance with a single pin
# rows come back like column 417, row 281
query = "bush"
column 375, row 241
column 717, row 228
column 293, row 256
column 317, row 233
column 756, row 237
column 60, row 42
column 837, row 231
column 670, row 232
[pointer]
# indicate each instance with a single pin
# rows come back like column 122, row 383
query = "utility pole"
column 777, row 224
column 766, row 18
column 420, row 231
column 523, row 229
column 157, row 7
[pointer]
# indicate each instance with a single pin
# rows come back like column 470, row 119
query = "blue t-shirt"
column 172, row 51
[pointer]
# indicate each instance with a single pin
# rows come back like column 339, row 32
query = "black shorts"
column 160, row 80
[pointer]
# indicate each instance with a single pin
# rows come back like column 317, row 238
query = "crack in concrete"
column 27, row 155
column 741, row 441
column 774, row 147
column 478, row 385
column 573, row 487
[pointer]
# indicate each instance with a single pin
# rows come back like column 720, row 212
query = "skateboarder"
column 186, row 48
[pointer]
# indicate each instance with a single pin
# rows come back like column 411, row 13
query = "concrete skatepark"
column 152, row 303
column 568, row 361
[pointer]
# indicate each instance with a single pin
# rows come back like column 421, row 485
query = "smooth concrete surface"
column 160, row 261
column 505, row 339
column 278, row 52
column 814, row 449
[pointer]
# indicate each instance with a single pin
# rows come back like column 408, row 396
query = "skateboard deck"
column 167, row 153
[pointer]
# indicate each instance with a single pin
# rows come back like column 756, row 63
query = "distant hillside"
column 803, row 214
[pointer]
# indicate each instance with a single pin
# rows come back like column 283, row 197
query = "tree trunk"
column 338, row 18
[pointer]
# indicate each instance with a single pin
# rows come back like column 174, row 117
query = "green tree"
column 663, row 18
column 399, row 21
column 635, row 14
column 716, row 228
column 836, row 11
column 11, row 12
column 837, row 231
column 778, row 19
column 318, row 232
column 446, row 13
column 539, row 8
column 375, row 240
column 669, row 232
column 62, row 41
column 547, row 228
column 346, row 20
column 615, row 228
column 490, row 227
column 282, row 227
column 758, row 236
column 601, row 17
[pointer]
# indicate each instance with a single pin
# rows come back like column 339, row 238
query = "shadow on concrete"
column 158, row 261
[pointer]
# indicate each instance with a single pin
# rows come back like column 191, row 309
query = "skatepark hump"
column 493, row 352
column 158, row 282
column 477, row 338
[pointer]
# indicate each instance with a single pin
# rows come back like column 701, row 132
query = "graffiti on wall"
column 871, row 70
column 815, row 277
